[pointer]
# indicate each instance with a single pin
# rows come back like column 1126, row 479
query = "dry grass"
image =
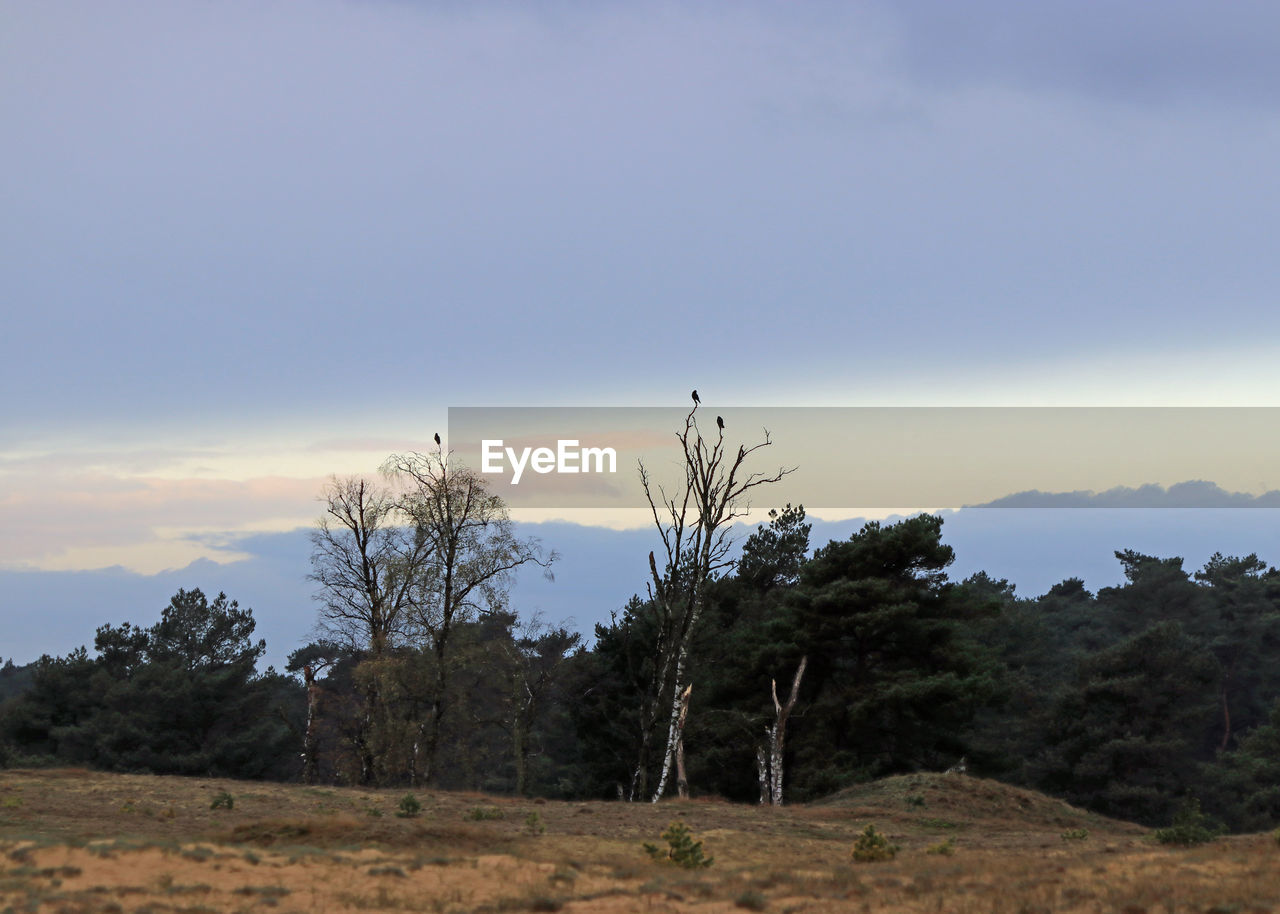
column 75, row 841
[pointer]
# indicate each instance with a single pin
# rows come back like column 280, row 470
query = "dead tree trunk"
column 682, row 781
column 310, row 738
column 695, row 524
column 770, row 768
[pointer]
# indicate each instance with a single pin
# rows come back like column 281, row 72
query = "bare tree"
column 695, row 524
column 472, row 555
column 769, row 763
column 367, row 565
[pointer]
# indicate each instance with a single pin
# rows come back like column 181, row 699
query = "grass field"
column 78, row 841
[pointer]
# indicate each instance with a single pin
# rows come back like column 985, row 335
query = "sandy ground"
column 75, row 841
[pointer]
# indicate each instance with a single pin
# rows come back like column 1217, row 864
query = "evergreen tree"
column 894, row 675
column 182, row 697
column 1125, row 738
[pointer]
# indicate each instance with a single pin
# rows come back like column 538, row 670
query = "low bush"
column 409, row 806
column 872, row 845
column 682, row 849
column 1190, row 827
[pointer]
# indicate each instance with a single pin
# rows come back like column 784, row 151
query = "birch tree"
column 311, row 661
column 367, row 564
column 472, row 555
column 694, row 521
column 769, row 755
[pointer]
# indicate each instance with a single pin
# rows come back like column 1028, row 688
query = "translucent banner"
column 890, row 457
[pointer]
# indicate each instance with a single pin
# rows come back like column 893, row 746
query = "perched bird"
column 437, row 439
column 720, row 423
column 696, row 398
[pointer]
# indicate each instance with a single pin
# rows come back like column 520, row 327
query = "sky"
column 245, row 245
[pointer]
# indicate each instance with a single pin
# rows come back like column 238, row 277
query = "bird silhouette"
column 437, row 439
column 720, row 423
column 696, row 398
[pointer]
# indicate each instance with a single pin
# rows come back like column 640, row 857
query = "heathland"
column 79, row 841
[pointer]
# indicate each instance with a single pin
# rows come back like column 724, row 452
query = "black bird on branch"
column 437, row 439
column 696, row 398
column 720, row 423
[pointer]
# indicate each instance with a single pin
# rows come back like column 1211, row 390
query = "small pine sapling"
column 681, row 849
column 872, row 845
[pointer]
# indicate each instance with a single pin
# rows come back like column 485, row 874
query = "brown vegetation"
column 75, row 841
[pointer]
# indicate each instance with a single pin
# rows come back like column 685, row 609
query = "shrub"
column 944, row 848
column 916, row 799
column 223, row 800
column 872, row 845
column 533, row 824
column 1076, row 834
column 409, row 806
column 1190, row 826
column 681, row 850
column 484, row 813
column 751, row 900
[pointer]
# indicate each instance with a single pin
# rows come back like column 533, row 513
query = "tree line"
column 770, row 672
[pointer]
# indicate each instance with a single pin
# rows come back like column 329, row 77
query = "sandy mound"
column 965, row 802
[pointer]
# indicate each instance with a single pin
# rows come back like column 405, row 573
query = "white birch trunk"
column 778, row 734
column 309, row 761
column 775, row 766
column 673, row 729
column 682, row 779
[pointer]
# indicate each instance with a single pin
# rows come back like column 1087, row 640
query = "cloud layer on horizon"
column 1196, row 493
column 247, row 245
column 600, row 569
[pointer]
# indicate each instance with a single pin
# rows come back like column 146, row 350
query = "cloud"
column 600, row 569
column 71, row 605
column 91, row 520
column 236, row 217
column 1190, row 494
column 198, row 194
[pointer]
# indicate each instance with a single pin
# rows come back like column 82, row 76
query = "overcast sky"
column 249, row 243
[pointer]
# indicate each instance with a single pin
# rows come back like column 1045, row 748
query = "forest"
column 766, row 669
